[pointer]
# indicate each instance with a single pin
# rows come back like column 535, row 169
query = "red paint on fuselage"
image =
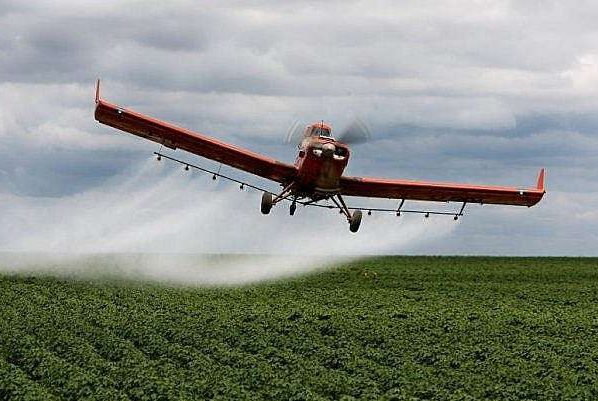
column 318, row 171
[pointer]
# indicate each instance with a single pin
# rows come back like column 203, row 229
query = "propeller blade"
column 356, row 133
column 294, row 132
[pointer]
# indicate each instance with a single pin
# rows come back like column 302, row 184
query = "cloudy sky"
column 474, row 91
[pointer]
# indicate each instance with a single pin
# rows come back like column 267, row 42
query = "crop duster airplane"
column 317, row 174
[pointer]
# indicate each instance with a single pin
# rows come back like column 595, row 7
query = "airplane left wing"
column 175, row 137
column 442, row 192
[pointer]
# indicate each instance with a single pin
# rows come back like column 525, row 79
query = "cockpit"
column 318, row 129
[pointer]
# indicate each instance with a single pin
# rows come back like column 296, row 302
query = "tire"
column 355, row 221
column 293, row 208
column 266, row 202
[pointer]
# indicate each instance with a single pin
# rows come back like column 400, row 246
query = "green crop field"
column 389, row 328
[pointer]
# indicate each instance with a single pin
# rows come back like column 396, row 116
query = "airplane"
column 316, row 175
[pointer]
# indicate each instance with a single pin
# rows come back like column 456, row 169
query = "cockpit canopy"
column 318, row 129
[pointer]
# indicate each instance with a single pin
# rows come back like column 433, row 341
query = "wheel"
column 293, row 208
column 355, row 221
column 266, row 202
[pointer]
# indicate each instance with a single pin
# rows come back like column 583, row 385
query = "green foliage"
column 392, row 328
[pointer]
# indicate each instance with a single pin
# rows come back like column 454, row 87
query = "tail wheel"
column 355, row 221
column 266, row 202
column 293, row 208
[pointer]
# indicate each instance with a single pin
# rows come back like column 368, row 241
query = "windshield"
column 321, row 132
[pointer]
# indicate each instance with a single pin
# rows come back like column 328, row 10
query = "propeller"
column 294, row 133
column 356, row 133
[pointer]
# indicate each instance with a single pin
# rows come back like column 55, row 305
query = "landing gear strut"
column 268, row 200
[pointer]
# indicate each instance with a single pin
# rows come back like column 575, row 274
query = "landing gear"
column 269, row 200
column 355, row 221
column 266, row 202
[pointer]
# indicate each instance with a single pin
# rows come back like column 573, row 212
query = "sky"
column 483, row 92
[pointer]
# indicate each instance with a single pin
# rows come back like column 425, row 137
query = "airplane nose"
column 328, row 150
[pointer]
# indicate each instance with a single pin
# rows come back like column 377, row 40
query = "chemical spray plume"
column 155, row 222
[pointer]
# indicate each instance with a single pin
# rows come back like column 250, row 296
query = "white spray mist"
column 159, row 218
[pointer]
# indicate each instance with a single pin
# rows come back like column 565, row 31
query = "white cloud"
column 584, row 74
column 475, row 91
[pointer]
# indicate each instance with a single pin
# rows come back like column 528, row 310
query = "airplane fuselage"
column 320, row 164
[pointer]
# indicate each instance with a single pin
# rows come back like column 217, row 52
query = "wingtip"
column 541, row 178
column 97, row 98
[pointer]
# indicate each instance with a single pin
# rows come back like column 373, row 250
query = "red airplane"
column 317, row 174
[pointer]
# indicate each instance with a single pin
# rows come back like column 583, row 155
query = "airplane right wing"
column 442, row 191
